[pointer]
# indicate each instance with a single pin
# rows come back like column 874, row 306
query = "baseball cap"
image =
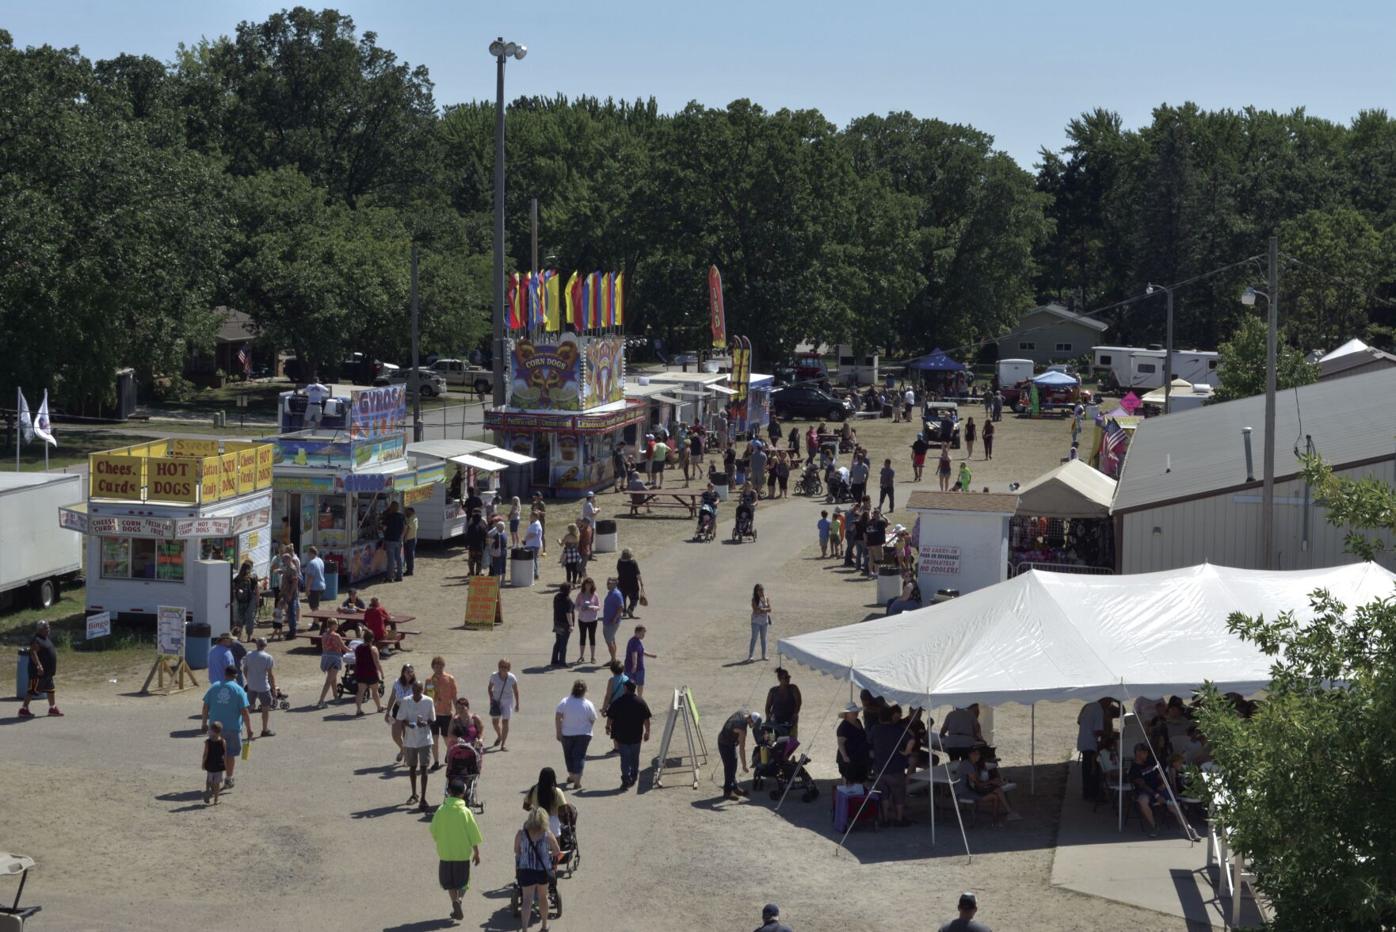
column 770, row 911
column 967, row 901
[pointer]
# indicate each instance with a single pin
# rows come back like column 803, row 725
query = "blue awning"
column 935, row 361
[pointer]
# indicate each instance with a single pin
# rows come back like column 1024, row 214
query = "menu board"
column 169, row 560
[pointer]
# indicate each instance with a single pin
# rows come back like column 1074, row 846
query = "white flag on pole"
column 42, row 427
column 26, row 423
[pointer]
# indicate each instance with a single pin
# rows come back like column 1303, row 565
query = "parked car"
column 808, row 401
column 940, row 423
column 431, row 383
column 459, row 372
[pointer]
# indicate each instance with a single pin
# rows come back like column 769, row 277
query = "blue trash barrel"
column 22, row 675
column 197, row 641
column 331, row 583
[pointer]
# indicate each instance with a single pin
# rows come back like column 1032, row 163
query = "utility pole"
column 414, row 381
column 499, row 345
column 1168, row 356
column 533, row 221
column 1267, row 506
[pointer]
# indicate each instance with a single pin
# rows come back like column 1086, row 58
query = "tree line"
column 290, row 168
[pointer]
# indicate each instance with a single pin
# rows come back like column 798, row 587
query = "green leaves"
column 1242, row 363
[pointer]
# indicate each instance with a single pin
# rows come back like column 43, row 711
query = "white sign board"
column 940, row 559
column 98, row 625
column 169, row 630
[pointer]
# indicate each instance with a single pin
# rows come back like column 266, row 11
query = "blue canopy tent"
column 936, row 361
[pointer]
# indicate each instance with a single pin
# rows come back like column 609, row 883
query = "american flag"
column 245, row 360
column 1113, row 446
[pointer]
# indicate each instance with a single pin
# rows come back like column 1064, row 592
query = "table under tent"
column 1046, row 637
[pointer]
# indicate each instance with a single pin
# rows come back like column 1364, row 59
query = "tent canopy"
column 936, row 361
column 1056, row 636
column 1072, row 490
column 1053, row 377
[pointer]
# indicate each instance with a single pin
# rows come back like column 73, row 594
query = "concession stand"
column 1063, row 522
column 336, row 470
column 166, row 521
column 566, row 409
column 482, row 466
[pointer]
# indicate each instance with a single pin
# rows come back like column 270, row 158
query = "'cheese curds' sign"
column 116, row 476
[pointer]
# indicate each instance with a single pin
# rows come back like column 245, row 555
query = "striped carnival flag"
column 574, row 298
column 535, row 300
column 608, row 299
column 594, row 308
column 588, row 299
column 511, row 302
column 552, row 300
column 620, row 299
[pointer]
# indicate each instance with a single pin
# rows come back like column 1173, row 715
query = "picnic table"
column 394, row 641
column 659, row 498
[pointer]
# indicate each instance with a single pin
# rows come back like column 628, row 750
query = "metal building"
column 1186, row 495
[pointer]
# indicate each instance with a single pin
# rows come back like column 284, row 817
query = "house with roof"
column 1353, row 358
column 236, row 331
column 1051, row 333
column 1190, row 491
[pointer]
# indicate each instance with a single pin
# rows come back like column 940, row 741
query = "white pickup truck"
column 460, row 372
column 37, row 555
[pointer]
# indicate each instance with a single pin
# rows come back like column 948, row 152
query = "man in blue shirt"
column 314, row 572
column 611, row 611
column 220, row 658
column 226, row 703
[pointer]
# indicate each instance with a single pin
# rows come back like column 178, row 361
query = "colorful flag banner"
column 552, row 300
column 620, row 300
column 574, row 299
column 716, row 309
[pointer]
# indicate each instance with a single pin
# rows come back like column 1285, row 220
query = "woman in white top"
column 575, row 718
column 402, row 689
column 760, row 621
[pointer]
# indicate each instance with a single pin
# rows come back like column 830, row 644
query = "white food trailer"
column 166, row 522
column 440, row 515
column 36, row 555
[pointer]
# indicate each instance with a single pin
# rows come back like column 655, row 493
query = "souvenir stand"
column 333, row 480
column 1063, row 522
column 566, row 405
column 166, row 521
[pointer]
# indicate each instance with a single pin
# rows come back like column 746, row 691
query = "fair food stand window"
column 116, row 558
column 331, row 514
column 142, row 558
column 219, row 548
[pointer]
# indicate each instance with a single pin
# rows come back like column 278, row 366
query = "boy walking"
column 824, row 527
column 215, row 749
column 457, row 838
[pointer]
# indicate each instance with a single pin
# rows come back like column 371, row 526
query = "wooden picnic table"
column 659, row 498
column 393, row 641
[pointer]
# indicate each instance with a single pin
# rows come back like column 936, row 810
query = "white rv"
column 1136, row 367
column 857, row 369
column 1197, row 366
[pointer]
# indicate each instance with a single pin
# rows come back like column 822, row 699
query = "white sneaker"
column 1013, row 817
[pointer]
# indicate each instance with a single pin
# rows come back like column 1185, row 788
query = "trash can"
column 719, row 480
column 521, row 568
column 945, row 595
column 22, row 676
column 889, row 583
column 331, row 583
column 197, row 641
column 606, row 539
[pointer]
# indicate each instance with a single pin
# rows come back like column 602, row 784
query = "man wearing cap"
column 968, row 907
column 589, row 510
column 220, row 658
column 852, row 757
column 261, row 682
column 43, row 664
column 770, row 919
column 731, row 739
column 226, row 703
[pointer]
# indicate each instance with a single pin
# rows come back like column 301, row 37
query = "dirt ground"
column 316, row 836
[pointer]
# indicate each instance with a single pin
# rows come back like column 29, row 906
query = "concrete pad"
column 1167, row 874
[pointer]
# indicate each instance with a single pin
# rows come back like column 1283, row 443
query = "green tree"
column 1242, row 363
column 1329, row 291
column 1303, row 784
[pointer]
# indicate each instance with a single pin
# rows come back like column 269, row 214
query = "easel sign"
column 482, row 608
column 682, row 708
column 169, row 652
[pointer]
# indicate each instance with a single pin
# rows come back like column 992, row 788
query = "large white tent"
column 1054, row 636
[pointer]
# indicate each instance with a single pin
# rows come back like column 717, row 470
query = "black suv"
column 807, row 401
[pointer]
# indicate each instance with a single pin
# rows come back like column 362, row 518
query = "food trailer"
column 567, row 409
column 333, row 480
column 440, row 515
column 166, row 522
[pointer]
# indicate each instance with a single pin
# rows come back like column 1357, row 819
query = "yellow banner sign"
column 188, row 447
column 210, row 474
column 173, row 480
column 247, row 470
column 228, row 480
column 116, row 476
column 265, row 455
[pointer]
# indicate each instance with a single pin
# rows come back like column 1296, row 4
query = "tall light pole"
column 1272, row 329
column 1168, row 350
column 501, row 51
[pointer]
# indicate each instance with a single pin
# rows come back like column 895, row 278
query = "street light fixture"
column 1168, row 351
column 502, row 52
column 1267, row 496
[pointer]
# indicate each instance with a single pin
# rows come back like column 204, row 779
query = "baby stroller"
column 463, row 762
column 707, row 522
column 567, row 863
column 839, row 491
column 776, row 760
column 809, row 481
column 745, row 525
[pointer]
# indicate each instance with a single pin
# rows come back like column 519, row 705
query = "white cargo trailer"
column 37, row 556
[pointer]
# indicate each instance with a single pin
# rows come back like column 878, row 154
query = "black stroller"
column 463, row 762
column 745, row 525
column 776, row 760
column 567, row 863
column 809, row 481
column 707, row 522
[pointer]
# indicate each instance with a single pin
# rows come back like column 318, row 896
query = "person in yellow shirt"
column 458, row 838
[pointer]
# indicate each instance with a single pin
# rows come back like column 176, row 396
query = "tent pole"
column 1032, row 758
column 1120, row 754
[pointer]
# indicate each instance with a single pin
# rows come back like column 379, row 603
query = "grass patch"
column 127, row 652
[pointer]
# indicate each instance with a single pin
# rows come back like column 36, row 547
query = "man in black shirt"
column 731, row 739
column 770, row 920
column 965, row 923
column 473, row 502
column 630, row 725
column 394, row 524
column 875, row 539
column 43, row 664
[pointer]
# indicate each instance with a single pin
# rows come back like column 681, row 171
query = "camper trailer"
column 1197, row 366
column 857, row 368
column 1136, row 367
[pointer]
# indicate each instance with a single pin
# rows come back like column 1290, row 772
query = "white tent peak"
column 1072, row 490
column 1057, row 636
column 1347, row 349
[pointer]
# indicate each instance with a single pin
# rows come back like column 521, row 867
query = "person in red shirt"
column 378, row 620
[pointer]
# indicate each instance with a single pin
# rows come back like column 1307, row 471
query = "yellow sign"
column 185, row 447
column 265, row 455
column 420, row 494
column 482, row 608
column 228, row 481
column 210, row 474
column 173, row 480
column 247, row 470
column 114, row 475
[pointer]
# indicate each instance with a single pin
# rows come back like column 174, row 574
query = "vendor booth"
column 167, row 521
column 1184, row 397
column 440, row 513
column 702, row 394
column 940, row 374
column 1063, row 522
column 963, row 539
column 332, row 484
column 566, row 409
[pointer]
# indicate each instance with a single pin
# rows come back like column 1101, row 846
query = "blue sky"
column 1016, row 70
